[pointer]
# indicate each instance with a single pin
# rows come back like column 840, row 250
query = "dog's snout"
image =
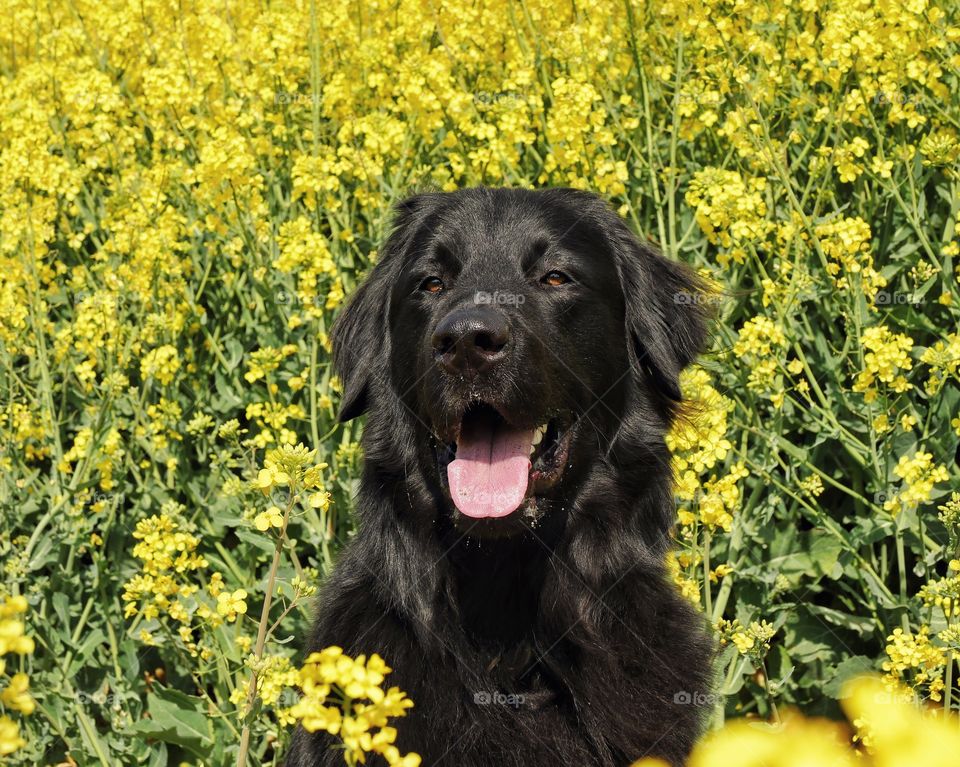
column 470, row 341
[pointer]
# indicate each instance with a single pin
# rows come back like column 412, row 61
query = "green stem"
column 902, row 568
column 766, row 686
column 262, row 632
column 948, row 683
column 733, row 550
column 708, row 603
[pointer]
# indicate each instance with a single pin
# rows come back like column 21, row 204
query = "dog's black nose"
column 472, row 340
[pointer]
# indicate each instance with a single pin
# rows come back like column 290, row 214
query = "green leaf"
column 233, row 352
column 850, row 668
column 91, row 642
column 255, row 538
column 61, row 606
column 825, row 550
column 858, row 623
column 177, row 718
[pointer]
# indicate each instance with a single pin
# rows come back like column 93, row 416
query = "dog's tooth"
column 538, row 435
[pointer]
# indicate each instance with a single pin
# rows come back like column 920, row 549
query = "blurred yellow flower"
column 272, row 517
column 232, row 604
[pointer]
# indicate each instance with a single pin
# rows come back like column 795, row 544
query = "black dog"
column 518, row 355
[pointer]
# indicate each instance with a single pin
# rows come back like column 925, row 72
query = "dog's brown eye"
column 432, row 285
column 554, row 279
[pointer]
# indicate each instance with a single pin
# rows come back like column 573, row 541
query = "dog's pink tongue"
column 489, row 476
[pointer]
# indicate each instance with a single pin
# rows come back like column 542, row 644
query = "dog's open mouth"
column 492, row 466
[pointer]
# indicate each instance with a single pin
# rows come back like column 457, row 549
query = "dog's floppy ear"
column 358, row 345
column 360, row 335
column 668, row 310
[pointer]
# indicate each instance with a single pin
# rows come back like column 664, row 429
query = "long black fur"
column 572, row 613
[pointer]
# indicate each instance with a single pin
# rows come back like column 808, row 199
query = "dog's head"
column 510, row 339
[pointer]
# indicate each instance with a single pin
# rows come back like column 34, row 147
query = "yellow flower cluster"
column 812, row 485
column 730, row 211
column 274, row 674
column 847, row 157
column 291, row 468
column 752, row 641
column 265, row 360
column 846, row 243
column 678, row 564
column 578, row 120
column 886, row 358
column 305, row 253
column 940, row 148
column 14, row 696
column 919, row 474
column 900, row 735
column 916, row 665
column 760, row 337
column 719, row 499
column 707, row 501
column 944, row 593
column 949, row 515
column 943, row 357
column 914, row 661
column 161, row 363
column 94, row 333
column 362, row 707
column 287, row 466
column 698, row 438
column 761, row 342
column 26, row 429
column 163, row 425
column 166, row 585
column 272, row 418
column 13, row 638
